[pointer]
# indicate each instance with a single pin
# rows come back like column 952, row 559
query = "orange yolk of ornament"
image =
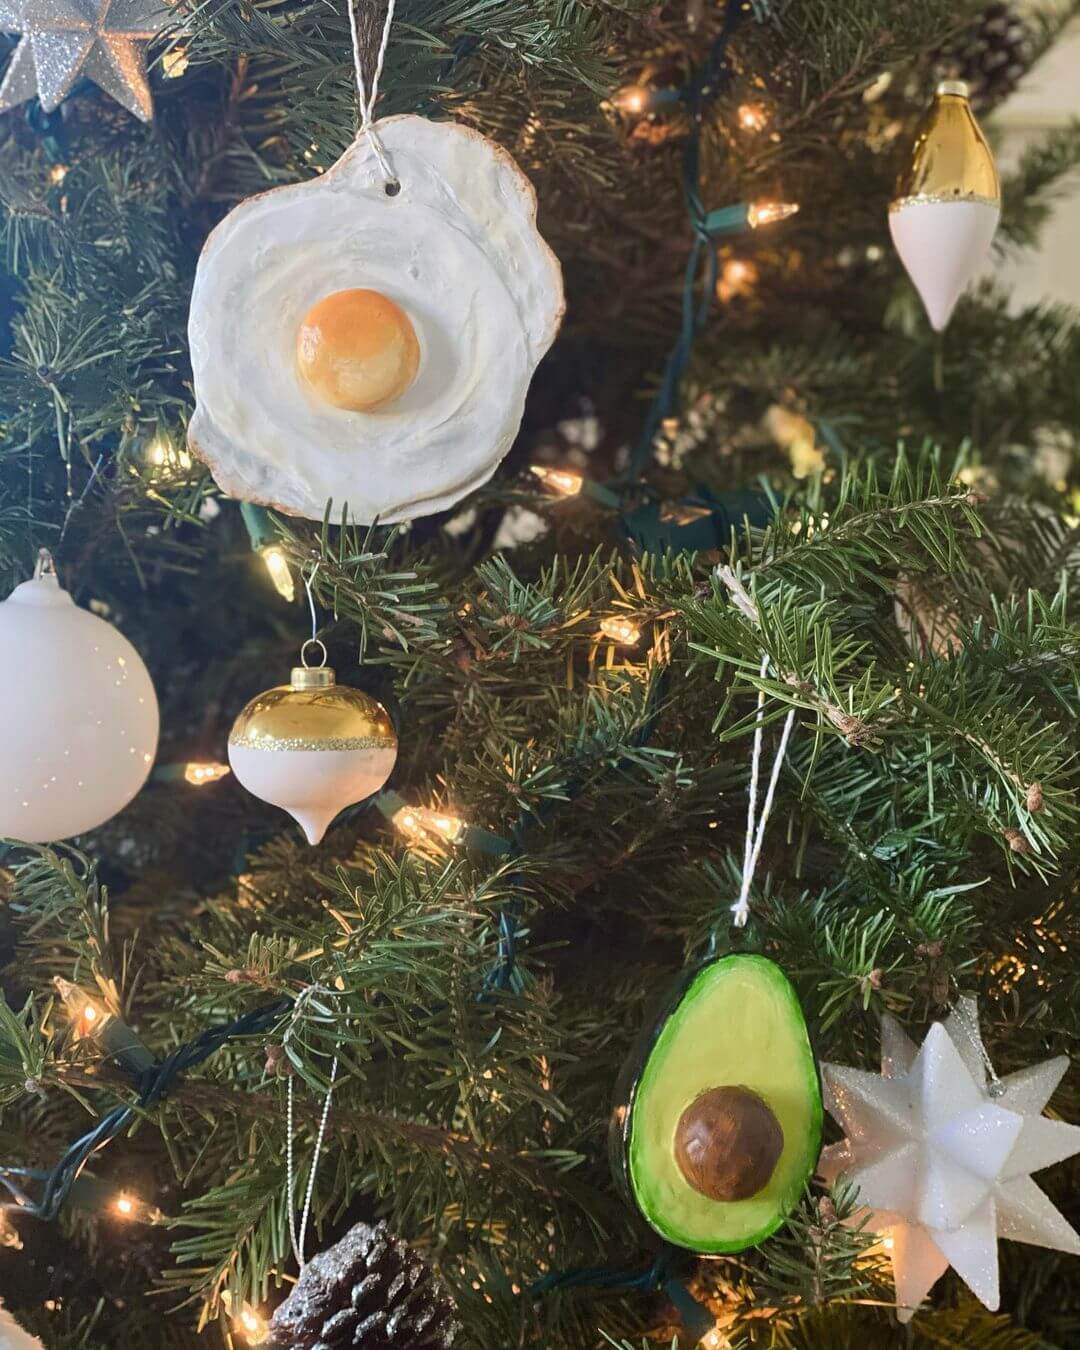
column 357, row 350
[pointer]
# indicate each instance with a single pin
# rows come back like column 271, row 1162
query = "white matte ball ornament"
column 369, row 347
column 313, row 747
column 78, row 715
column 12, row 1336
column 947, row 205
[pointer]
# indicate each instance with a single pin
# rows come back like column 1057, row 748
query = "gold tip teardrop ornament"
column 313, row 747
column 947, row 204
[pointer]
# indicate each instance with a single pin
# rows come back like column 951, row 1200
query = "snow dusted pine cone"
column 368, row 1292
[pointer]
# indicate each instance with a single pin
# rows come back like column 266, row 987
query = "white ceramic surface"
column 943, row 245
column 312, row 785
column 78, row 716
column 457, row 248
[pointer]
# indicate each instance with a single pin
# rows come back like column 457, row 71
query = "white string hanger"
column 298, row 1237
column 755, row 825
column 366, row 98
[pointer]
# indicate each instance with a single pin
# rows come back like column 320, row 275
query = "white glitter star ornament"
column 65, row 39
column 942, row 1155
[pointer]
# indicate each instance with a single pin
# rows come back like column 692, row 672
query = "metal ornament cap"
column 947, row 204
column 313, row 747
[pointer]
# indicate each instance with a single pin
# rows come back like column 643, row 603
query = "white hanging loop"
column 298, row 1237
column 366, row 98
column 755, row 828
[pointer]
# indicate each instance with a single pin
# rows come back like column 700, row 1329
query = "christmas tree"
column 763, row 537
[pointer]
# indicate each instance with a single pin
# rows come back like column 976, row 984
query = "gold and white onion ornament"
column 947, row 204
column 369, row 341
column 313, row 747
column 78, row 716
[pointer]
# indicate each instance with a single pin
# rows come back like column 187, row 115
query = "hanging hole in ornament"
column 392, row 188
column 312, row 642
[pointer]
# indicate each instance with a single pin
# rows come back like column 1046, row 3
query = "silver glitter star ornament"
column 942, row 1153
column 65, row 39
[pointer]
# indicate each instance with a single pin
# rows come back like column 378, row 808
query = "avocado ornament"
column 716, row 1127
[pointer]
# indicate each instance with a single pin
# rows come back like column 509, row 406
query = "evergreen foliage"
column 914, row 588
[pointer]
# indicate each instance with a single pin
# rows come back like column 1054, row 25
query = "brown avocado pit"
column 727, row 1143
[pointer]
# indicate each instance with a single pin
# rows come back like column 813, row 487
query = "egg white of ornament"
column 942, row 245
column 78, row 716
column 456, row 248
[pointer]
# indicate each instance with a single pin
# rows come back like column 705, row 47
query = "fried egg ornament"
column 364, row 343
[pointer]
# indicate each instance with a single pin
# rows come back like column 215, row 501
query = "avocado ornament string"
column 755, row 826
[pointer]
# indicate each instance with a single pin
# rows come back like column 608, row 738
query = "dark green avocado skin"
column 626, row 1084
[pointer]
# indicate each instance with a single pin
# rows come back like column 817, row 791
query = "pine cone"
column 991, row 56
column 369, row 1292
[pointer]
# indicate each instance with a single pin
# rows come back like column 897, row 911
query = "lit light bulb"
column 768, row 213
column 252, row 1325
column 620, row 629
column 162, row 454
column 87, row 1016
column 174, row 63
column 738, row 277
column 280, row 573
column 198, row 775
column 714, row 1340
column 632, row 99
column 418, row 822
column 562, row 481
column 57, row 174
column 753, row 116
column 130, row 1207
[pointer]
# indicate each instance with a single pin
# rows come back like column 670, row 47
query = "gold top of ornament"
column 950, row 160
column 313, row 712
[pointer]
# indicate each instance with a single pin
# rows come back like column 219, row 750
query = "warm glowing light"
column 87, row 1016
column 753, row 116
column 162, row 454
column 198, row 775
column 562, row 481
column 714, row 1340
column 738, row 277
column 418, row 822
column 633, row 99
column 768, row 213
column 125, row 1206
column 252, row 1325
column 620, row 629
column 887, row 1243
column 280, row 573
column 57, row 174
column 174, row 63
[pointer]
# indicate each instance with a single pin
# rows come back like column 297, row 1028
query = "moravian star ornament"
column 65, row 39
column 942, row 1155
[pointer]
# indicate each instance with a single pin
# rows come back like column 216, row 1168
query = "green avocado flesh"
column 738, row 1023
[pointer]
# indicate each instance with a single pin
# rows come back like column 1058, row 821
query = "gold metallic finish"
column 950, row 161
column 313, row 713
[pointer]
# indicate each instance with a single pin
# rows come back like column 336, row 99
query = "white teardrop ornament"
column 947, row 204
